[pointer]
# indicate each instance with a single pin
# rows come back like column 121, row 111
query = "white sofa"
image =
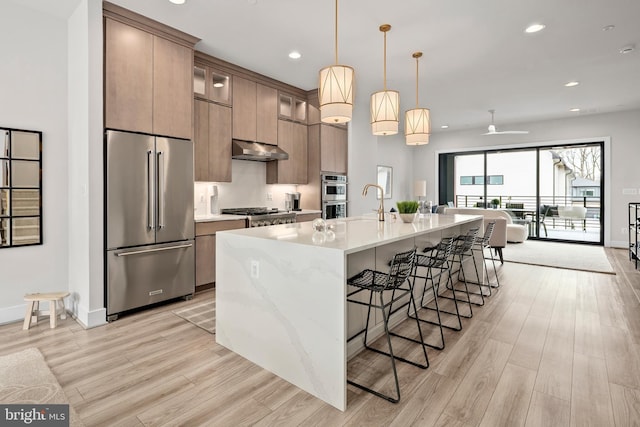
column 515, row 233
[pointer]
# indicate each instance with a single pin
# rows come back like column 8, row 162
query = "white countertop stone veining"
column 353, row 234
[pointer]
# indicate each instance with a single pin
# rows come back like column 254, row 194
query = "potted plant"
column 408, row 210
column 495, row 203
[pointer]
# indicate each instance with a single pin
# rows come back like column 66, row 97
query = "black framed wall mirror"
column 20, row 187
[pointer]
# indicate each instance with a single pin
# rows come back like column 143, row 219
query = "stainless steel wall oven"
column 334, row 196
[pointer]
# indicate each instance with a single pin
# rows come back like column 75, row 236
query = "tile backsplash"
column 247, row 188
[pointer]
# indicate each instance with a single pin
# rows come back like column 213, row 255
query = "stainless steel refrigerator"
column 149, row 220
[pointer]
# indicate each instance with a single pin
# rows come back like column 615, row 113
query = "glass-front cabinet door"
column 211, row 84
column 20, row 187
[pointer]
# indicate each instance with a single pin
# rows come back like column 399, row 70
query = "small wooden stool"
column 33, row 307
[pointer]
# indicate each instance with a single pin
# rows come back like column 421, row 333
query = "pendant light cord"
column 385, row 60
column 417, row 82
column 336, row 32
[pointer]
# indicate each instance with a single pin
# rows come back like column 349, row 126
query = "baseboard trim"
column 90, row 319
column 12, row 314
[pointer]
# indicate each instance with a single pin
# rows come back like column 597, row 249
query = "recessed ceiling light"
column 575, row 110
column 534, row 28
column 608, row 27
column 627, row 49
column 572, row 84
column 177, row 1
column 444, row 127
column 295, row 55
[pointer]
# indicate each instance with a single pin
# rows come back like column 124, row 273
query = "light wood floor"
column 552, row 348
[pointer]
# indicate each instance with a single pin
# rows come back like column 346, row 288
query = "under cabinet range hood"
column 257, row 151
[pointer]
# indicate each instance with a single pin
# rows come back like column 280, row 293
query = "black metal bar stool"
column 436, row 262
column 376, row 282
column 480, row 245
column 462, row 248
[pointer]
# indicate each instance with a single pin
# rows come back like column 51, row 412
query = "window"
column 466, row 180
column 496, row 180
column 479, row 180
column 20, row 188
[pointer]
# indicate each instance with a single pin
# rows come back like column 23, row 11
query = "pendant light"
column 385, row 104
column 417, row 126
column 335, row 88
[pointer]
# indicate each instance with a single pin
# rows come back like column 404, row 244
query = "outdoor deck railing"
column 529, row 205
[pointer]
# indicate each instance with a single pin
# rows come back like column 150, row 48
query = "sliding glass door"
column 555, row 191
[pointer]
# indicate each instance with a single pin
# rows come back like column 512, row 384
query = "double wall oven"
column 334, row 196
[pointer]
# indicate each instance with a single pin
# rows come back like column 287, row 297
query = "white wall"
column 86, row 273
column 33, row 84
column 366, row 152
column 622, row 129
column 249, row 188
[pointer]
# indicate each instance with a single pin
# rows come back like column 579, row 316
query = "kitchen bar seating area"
column 289, row 314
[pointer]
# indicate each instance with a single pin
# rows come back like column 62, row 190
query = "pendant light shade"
column 384, row 112
column 385, row 105
column 417, row 126
column 335, row 88
column 335, row 93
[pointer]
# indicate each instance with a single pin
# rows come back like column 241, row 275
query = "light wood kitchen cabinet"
column 172, row 92
column 148, row 75
column 292, row 138
column 307, row 217
column 212, row 84
column 266, row 114
column 206, row 247
column 212, row 142
column 128, row 69
column 255, row 111
column 292, row 108
column 327, row 148
column 333, row 149
column 244, row 109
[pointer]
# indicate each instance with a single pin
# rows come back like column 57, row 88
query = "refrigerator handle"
column 160, row 189
column 150, row 205
column 146, row 251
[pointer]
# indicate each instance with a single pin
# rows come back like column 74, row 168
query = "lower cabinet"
column 307, row 217
column 206, row 247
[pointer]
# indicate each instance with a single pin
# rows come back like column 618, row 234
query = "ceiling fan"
column 493, row 131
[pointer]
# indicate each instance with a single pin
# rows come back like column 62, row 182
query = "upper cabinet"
column 292, row 138
column 212, row 142
column 333, row 149
column 292, row 108
column 212, row 84
column 255, row 111
column 148, row 75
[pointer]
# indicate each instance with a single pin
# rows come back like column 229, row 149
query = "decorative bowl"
column 408, row 217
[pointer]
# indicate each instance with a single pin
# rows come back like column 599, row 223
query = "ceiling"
column 476, row 54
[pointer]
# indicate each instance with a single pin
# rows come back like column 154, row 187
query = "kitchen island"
column 281, row 292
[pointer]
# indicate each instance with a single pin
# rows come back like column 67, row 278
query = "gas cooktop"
column 249, row 211
column 259, row 217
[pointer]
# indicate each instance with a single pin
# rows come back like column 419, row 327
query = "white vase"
column 408, row 217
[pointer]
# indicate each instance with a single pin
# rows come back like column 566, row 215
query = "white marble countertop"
column 355, row 234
